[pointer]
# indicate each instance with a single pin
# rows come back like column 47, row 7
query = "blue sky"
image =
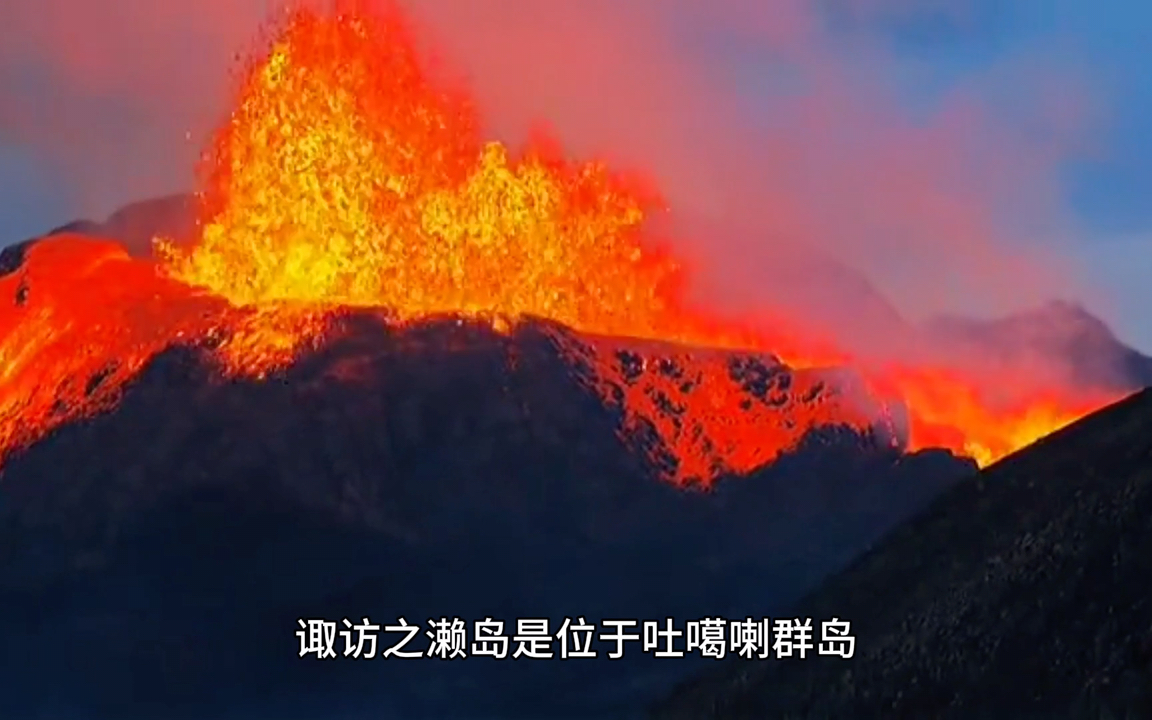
column 1110, row 42
column 936, row 45
column 1096, row 58
column 32, row 199
column 1107, row 45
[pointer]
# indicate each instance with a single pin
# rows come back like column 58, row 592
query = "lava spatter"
column 346, row 175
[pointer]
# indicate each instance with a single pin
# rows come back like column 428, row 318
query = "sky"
column 966, row 155
column 1105, row 46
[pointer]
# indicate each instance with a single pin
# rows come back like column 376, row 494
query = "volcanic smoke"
column 347, row 176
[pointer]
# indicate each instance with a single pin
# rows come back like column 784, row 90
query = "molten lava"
column 347, row 176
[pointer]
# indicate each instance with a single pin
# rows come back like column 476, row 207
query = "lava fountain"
column 346, row 175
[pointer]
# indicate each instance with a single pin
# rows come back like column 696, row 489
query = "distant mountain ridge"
column 136, row 224
column 1058, row 329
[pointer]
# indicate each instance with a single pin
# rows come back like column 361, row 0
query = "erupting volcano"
column 347, row 175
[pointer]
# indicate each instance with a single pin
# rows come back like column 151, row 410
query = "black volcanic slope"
column 1023, row 592
column 154, row 560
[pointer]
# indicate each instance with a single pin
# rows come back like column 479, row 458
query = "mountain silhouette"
column 1022, row 592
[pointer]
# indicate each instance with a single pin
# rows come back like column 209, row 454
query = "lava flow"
column 346, row 176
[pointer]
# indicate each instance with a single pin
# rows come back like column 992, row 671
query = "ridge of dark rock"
column 154, row 560
column 1022, row 592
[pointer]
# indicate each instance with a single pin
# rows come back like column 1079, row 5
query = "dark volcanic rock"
column 1023, row 592
column 154, row 561
column 12, row 256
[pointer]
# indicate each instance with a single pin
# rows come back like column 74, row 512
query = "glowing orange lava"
column 346, row 176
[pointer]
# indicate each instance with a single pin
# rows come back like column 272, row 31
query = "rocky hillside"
column 154, row 560
column 1023, row 592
